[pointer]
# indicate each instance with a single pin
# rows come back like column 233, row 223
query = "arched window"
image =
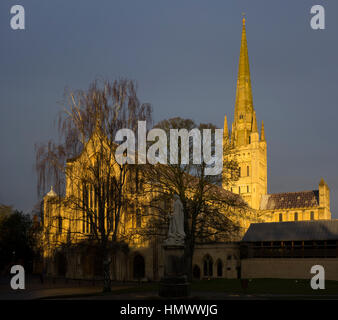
column 207, row 266
column 280, row 217
column 138, row 218
column 296, row 216
column 239, row 171
column 219, row 268
column 248, row 171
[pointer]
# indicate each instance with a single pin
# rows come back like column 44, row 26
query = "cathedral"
column 214, row 260
column 250, row 153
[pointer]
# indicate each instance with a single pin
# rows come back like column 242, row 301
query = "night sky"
column 184, row 56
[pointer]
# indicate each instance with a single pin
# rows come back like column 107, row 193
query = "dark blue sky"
column 184, row 56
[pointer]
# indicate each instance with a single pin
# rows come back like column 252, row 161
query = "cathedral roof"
column 287, row 200
column 292, row 231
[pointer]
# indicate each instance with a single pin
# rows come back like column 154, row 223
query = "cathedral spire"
column 243, row 92
column 244, row 123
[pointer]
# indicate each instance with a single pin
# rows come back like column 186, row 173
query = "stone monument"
column 174, row 282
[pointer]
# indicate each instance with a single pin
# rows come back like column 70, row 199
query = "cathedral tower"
column 249, row 149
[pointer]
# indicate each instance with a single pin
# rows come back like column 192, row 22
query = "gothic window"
column 207, row 266
column 219, row 268
column 239, row 171
column 280, row 217
column 248, row 171
column 241, row 116
column 138, row 218
column 296, row 216
column 239, row 190
column 247, row 189
column 312, row 215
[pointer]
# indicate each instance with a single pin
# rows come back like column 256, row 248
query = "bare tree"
column 210, row 213
column 90, row 183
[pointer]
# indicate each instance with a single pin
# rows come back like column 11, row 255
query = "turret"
column 324, row 200
column 225, row 130
column 262, row 132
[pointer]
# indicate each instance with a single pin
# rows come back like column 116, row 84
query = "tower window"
column 138, row 218
column 248, row 171
column 239, row 190
column 296, row 216
column 280, row 217
column 239, row 171
column 241, row 116
column 247, row 189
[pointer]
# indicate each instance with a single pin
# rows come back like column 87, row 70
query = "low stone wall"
column 287, row 268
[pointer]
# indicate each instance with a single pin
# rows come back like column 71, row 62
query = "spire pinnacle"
column 51, row 193
column 225, row 128
column 254, row 123
column 262, row 132
column 243, row 20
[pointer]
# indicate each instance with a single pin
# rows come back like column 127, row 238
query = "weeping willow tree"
column 90, row 183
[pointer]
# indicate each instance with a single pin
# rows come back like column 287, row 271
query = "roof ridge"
column 293, row 192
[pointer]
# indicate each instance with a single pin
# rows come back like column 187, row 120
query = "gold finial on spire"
column 243, row 15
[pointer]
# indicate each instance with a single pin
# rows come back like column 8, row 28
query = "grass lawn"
column 255, row 286
column 265, row 286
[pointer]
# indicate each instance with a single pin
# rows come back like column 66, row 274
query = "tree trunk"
column 106, row 272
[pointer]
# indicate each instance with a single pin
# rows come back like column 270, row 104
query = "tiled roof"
column 302, row 199
column 292, row 231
